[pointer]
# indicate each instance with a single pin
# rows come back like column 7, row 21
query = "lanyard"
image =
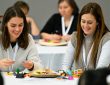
column 86, row 62
column 14, row 54
column 64, row 31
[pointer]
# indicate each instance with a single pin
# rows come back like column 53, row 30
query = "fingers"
column 6, row 63
column 9, row 61
column 66, row 38
column 28, row 64
column 57, row 37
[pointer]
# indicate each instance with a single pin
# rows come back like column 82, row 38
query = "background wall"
column 41, row 10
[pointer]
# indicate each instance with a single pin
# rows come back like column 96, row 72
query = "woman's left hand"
column 66, row 37
column 28, row 64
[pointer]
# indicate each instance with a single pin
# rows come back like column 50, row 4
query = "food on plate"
column 44, row 73
column 52, row 42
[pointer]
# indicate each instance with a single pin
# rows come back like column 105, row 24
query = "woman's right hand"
column 56, row 37
column 5, row 63
column 53, row 37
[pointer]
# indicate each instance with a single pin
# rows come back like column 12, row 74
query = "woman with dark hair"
column 32, row 26
column 61, row 25
column 89, row 46
column 17, row 48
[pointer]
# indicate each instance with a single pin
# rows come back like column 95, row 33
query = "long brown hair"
column 22, row 40
column 95, row 10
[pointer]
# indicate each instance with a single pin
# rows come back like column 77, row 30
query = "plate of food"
column 44, row 74
column 52, row 42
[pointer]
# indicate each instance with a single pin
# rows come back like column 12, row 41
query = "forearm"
column 104, row 56
column 34, row 57
column 68, row 58
column 34, row 28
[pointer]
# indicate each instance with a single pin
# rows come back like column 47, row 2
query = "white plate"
column 50, row 43
column 45, row 75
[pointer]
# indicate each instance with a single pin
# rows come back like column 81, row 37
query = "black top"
column 54, row 25
column 13, row 44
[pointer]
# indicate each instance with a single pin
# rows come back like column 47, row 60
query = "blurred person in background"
column 61, row 25
column 33, row 27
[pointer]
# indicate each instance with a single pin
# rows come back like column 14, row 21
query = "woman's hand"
column 28, row 64
column 56, row 37
column 53, row 37
column 66, row 37
column 5, row 63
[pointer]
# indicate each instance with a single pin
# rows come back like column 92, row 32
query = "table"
column 51, row 49
column 11, row 80
column 51, row 56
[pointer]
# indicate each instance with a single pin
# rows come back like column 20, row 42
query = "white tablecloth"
column 52, row 56
column 11, row 80
column 51, row 49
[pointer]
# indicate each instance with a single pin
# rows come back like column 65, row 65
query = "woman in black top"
column 62, row 24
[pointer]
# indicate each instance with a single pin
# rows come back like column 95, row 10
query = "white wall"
column 41, row 10
column 105, row 5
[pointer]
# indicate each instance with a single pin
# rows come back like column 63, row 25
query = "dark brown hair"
column 73, row 5
column 22, row 40
column 95, row 10
column 22, row 5
column 94, row 77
